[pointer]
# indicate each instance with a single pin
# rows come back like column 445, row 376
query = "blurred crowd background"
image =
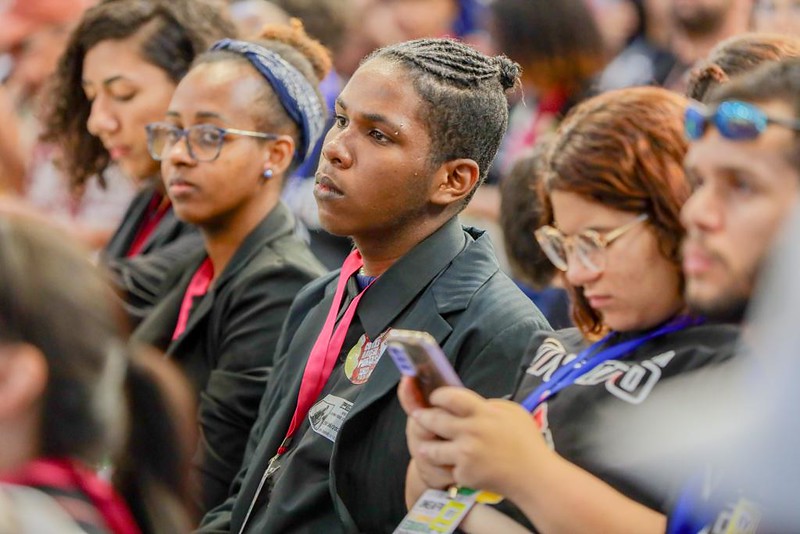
column 569, row 50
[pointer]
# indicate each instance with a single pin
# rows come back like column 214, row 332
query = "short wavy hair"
column 623, row 149
column 174, row 32
column 737, row 55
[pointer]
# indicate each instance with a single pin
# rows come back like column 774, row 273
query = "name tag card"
column 437, row 512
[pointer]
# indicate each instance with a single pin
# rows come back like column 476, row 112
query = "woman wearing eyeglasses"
column 613, row 193
column 243, row 116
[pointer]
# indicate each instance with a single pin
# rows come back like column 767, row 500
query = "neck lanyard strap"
column 326, row 349
column 595, row 355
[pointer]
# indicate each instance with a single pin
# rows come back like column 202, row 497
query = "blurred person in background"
column 73, row 399
column 781, row 16
column 636, row 58
column 34, row 34
column 561, row 52
column 120, row 67
column 251, row 16
column 239, row 121
column 698, row 26
column 737, row 55
column 520, row 213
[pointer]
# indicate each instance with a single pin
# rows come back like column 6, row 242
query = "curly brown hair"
column 173, row 32
column 623, row 149
column 737, row 55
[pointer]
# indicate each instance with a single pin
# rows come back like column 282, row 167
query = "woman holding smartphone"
column 614, row 188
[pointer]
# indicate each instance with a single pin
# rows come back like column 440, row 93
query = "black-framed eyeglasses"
column 589, row 246
column 204, row 141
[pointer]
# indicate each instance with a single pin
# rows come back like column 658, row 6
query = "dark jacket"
column 449, row 285
column 228, row 346
column 139, row 280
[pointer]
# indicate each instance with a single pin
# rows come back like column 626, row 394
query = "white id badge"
column 435, row 511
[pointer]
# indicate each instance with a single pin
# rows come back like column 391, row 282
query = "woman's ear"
column 280, row 153
column 454, row 181
column 23, row 378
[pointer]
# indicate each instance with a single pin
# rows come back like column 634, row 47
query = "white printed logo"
column 327, row 416
column 630, row 382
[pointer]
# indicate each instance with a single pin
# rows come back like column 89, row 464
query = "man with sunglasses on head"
column 745, row 163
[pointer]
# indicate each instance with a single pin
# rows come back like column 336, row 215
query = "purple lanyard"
column 595, row 355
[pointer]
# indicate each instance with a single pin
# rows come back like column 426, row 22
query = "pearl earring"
column 267, row 174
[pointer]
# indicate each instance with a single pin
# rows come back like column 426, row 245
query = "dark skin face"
column 375, row 181
column 227, row 197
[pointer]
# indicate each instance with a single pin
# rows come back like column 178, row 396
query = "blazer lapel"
column 385, row 376
column 121, row 241
column 199, row 313
column 449, row 293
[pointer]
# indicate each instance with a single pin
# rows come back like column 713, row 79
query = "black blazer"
column 139, row 280
column 228, row 346
column 451, row 286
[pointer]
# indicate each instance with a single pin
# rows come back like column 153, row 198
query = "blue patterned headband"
column 295, row 93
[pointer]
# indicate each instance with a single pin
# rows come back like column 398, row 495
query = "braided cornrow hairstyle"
column 464, row 97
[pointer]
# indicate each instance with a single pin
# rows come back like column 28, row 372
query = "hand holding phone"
column 417, row 355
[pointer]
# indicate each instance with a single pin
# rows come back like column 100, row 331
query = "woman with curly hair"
column 117, row 74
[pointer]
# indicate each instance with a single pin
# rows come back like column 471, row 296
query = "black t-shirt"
column 570, row 419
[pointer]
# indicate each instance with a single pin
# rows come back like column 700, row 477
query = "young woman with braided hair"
column 245, row 114
column 416, row 129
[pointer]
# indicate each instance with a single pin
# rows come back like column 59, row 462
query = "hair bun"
column 294, row 34
column 509, row 72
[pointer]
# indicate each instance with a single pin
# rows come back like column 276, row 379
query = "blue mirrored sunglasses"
column 733, row 119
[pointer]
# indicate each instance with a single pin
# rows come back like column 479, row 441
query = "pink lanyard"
column 198, row 286
column 326, row 349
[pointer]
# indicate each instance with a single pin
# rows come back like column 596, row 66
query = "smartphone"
column 418, row 355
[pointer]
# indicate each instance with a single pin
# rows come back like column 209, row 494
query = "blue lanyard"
column 595, row 355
